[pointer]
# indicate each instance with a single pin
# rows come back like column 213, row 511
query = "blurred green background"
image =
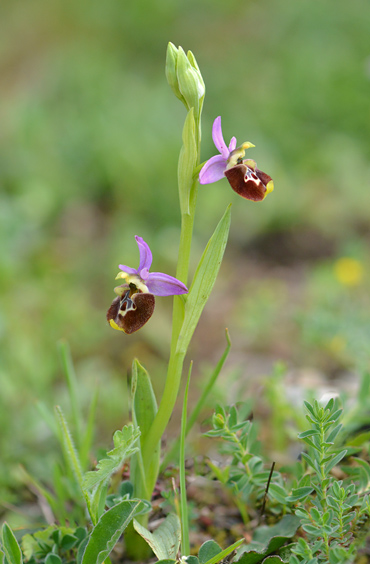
column 89, row 140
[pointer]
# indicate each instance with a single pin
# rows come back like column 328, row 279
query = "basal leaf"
column 144, row 409
column 165, row 540
column 10, row 545
column 108, row 529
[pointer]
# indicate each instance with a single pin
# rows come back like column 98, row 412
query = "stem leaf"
column 204, row 280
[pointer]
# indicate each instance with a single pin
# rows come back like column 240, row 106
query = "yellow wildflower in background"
column 349, row 271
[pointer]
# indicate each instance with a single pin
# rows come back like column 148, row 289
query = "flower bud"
column 171, row 71
column 201, row 87
column 190, row 82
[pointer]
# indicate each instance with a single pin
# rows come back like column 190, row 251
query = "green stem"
column 185, row 544
column 176, row 361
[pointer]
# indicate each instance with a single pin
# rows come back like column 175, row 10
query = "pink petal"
column 145, row 254
column 218, row 139
column 232, row 144
column 213, row 170
column 161, row 284
column 127, row 269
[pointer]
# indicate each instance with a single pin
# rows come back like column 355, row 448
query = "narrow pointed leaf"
column 144, row 409
column 69, row 448
column 335, row 461
column 10, row 545
column 299, row 493
column 204, row 280
column 165, row 540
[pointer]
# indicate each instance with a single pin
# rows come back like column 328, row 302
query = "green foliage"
column 165, row 541
column 53, row 543
column 108, row 530
column 125, row 445
column 329, row 518
column 330, row 513
column 10, row 545
column 244, row 476
column 268, row 540
column 144, row 409
column 204, row 280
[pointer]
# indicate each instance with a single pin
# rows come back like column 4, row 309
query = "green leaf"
column 203, row 281
column 310, row 409
column 68, row 541
column 144, row 409
column 69, row 448
column 46, row 538
column 187, row 162
column 53, row 559
column 334, row 433
column 165, row 540
column 10, row 545
column 335, row 461
column 267, row 540
column 224, row 553
column 208, row 550
column 88, row 435
column 2, row 557
column 278, row 493
column 191, row 560
column 70, row 375
column 124, row 446
column 309, row 433
column 185, row 544
column 109, row 528
column 299, row 493
column 200, row 403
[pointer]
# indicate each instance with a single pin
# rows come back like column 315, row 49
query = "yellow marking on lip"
column 113, row 324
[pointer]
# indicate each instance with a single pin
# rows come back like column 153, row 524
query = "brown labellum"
column 130, row 313
column 248, row 183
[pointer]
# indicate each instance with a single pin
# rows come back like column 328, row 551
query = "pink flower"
column 243, row 175
column 135, row 301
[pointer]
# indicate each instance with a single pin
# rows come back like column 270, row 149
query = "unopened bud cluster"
column 184, row 77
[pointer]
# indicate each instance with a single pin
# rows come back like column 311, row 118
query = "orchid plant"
column 329, row 512
column 134, row 304
column 131, row 309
